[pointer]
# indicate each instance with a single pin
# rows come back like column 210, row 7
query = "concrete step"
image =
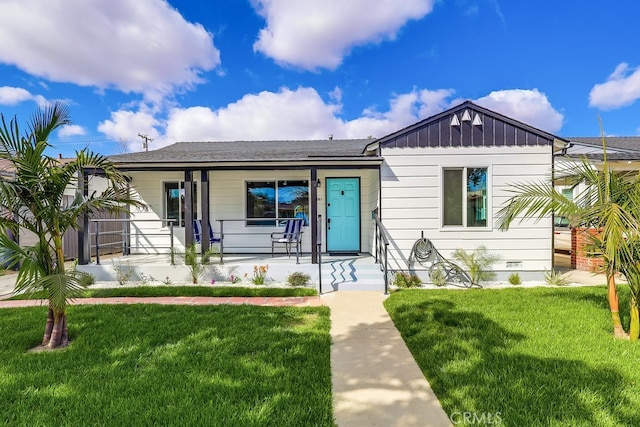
column 347, row 275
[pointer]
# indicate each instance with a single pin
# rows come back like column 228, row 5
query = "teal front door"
column 343, row 214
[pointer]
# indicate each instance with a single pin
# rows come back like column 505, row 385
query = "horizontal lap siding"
column 151, row 236
column 411, row 202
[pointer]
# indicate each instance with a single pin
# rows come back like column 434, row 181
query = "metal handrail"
column 319, row 251
column 382, row 248
column 252, row 233
column 125, row 243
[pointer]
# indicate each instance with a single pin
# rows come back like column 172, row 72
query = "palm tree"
column 33, row 197
column 609, row 203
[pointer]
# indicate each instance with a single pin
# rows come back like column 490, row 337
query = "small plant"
column 438, row 276
column 298, row 278
column 167, row 281
column 259, row 274
column 555, row 278
column 87, row 279
column 144, row 279
column 234, row 279
column 406, row 280
column 514, row 279
column 478, row 263
column 195, row 262
column 123, row 274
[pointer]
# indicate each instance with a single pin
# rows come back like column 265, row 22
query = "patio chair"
column 197, row 232
column 291, row 235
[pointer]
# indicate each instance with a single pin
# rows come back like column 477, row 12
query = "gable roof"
column 207, row 153
column 467, row 124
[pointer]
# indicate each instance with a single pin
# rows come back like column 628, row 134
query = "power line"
column 146, row 139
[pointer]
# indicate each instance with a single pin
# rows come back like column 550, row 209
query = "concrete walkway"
column 376, row 381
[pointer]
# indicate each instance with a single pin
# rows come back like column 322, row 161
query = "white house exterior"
column 427, row 186
column 444, row 177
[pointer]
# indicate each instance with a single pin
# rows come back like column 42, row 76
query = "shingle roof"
column 626, row 143
column 249, row 151
column 625, row 148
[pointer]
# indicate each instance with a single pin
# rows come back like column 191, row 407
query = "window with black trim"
column 278, row 200
column 174, row 202
column 464, row 201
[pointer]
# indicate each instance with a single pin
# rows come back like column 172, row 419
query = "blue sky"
column 219, row 70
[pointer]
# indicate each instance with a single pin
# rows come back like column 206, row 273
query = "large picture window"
column 278, row 200
column 174, row 202
column 465, row 197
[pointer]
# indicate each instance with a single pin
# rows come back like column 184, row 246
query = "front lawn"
column 169, row 365
column 533, row 357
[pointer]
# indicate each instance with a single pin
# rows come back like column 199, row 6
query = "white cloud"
column 622, row 88
column 15, row 95
column 528, row 106
column 125, row 126
column 141, row 46
column 302, row 114
column 71, row 130
column 318, row 33
column 286, row 114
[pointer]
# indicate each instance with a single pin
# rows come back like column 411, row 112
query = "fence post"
column 173, row 262
column 319, row 250
column 97, row 242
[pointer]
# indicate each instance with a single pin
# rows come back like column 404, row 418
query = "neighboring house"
column 623, row 156
column 445, row 177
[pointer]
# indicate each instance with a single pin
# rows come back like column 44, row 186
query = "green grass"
column 538, row 357
column 169, row 365
column 186, row 291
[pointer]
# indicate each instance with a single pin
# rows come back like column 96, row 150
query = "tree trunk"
column 48, row 327
column 618, row 330
column 58, row 335
column 634, row 326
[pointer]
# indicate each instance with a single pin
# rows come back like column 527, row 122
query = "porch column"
column 313, row 215
column 204, row 206
column 188, row 208
column 84, row 241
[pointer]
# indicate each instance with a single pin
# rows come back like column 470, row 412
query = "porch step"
column 347, row 275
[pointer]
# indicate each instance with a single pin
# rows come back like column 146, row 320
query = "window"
column 278, row 200
column 465, row 197
column 174, row 205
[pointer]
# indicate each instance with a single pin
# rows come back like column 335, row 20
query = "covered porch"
column 244, row 191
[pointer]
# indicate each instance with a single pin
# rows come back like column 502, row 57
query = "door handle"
column 328, row 223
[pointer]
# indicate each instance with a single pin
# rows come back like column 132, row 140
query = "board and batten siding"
column 411, row 188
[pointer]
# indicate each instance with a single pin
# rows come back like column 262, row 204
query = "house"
column 444, row 177
column 623, row 156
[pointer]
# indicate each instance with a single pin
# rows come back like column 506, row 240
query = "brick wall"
column 579, row 261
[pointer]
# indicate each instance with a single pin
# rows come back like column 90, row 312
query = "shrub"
column 87, row 279
column 437, row 275
column 406, row 280
column 514, row 279
column 555, row 278
column 478, row 263
column 195, row 262
column 298, row 278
